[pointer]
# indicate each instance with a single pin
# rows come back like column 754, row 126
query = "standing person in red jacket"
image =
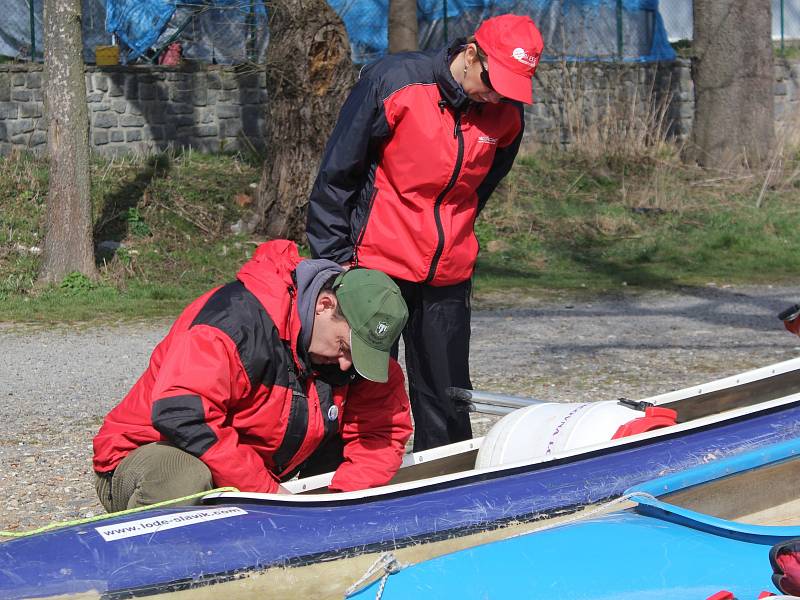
column 420, row 145
column 254, row 377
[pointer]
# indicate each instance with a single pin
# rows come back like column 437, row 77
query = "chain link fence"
column 211, row 31
column 627, row 30
column 235, row 31
column 677, row 15
column 786, row 20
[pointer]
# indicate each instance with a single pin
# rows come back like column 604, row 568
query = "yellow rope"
column 103, row 517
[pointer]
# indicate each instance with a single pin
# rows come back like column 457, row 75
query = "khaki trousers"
column 153, row 473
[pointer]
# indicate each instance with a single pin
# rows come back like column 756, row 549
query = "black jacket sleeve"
column 343, row 171
column 503, row 161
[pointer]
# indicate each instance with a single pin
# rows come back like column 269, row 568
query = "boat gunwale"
column 476, row 475
column 760, row 375
column 647, row 495
column 664, row 511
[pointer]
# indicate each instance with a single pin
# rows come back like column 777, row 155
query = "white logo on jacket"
column 487, row 139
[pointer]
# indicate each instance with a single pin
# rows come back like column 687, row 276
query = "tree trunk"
column 68, row 238
column 309, row 73
column 403, row 29
column 733, row 78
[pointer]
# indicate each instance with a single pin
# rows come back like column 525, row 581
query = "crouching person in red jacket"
column 257, row 375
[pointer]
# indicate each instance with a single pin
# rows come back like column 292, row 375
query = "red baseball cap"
column 513, row 46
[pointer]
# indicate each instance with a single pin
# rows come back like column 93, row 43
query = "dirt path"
column 57, row 384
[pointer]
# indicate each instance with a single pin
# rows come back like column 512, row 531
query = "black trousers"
column 436, row 341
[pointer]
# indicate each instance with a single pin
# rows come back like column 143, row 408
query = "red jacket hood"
column 268, row 275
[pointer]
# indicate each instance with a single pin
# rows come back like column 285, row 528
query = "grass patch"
column 561, row 221
column 162, row 232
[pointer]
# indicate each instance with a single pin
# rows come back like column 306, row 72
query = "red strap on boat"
column 785, row 560
column 791, row 318
column 654, row 417
column 793, row 325
column 726, row 595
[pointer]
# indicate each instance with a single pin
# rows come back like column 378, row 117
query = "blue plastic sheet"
column 572, row 29
column 211, row 30
column 138, row 23
column 223, row 31
column 233, row 31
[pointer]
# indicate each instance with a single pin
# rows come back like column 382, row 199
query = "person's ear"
column 470, row 52
column 326, row 300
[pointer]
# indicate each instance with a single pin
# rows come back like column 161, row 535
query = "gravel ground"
column 57, row 384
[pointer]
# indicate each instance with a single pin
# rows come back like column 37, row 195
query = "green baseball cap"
column 376, row 312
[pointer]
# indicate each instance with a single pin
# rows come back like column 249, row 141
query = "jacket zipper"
column 295, row 433
column 440, row 198
column 364, row 226
column 295, row 357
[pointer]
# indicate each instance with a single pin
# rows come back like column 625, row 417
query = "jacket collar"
column 269, row 276
column 309, row 276
column 451, row 91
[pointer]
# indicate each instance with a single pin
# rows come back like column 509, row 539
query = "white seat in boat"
column 550, row 427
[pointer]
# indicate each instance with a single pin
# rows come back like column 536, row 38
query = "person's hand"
column 346, row 265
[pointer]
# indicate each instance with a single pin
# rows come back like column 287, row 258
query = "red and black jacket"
column 227, row 385
column 409, row 166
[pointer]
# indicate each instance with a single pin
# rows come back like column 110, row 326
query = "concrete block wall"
column 143, row 109
column 787, row 96
column 558, row 86
column 21, row 107
column 570, row 96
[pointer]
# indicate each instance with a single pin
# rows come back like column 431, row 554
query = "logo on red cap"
column 526, row 59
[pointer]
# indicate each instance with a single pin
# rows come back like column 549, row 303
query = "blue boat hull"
column 179, row 549
column 655, row 551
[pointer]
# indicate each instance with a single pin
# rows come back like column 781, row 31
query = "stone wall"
column 149, row 108
column 787, row 97
column 572, row 99
column 142, row 109
column 631, row 92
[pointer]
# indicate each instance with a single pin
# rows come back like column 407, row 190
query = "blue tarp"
column 138, row 23
column 215, row 29
column 573, row 29
column 221, row 30
column 211, row 31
